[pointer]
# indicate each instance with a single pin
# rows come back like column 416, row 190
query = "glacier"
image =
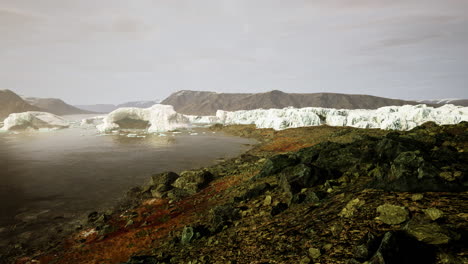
column 389, row 118
column 158, row 118
column 34, row 120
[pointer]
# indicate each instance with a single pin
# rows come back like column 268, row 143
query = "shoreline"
column 154, row 227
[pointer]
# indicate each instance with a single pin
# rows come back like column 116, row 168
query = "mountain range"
column 207, row 103
column 106, row 108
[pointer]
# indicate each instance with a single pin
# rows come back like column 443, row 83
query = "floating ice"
column 158, row 118
column 390, row 117
column 92, row 120
column 34, row 120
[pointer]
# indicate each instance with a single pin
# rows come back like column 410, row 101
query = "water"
column 65, row 174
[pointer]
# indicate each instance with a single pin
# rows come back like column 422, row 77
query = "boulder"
column 276, row 164
column 430, row 233
column 398, row 248
column 223, row 215
column 294, row 179
column 193, row 181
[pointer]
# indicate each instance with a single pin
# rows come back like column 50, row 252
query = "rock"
column 451, row 176
column 398, row 248
column 417, row 197
column 350, row 208
column 223, row 215
column 314, row 253
column 253, row 192
column 279, row 208
column 433, row 213
column 142, row 260
column 294, row 179
column 305, row 196
column 189, row 234
column 392, row 214
column 305, row 260
column 267, row 200
column 162, row 182
column 430, row 233
column 177, row 194
column 193, row 181
column 276, row 164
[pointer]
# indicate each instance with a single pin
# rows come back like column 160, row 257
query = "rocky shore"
column 305, row 195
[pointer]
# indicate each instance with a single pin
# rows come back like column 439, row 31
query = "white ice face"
column 390, row 117
column 34, row 120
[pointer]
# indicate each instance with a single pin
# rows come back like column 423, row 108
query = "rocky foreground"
column 305, row 195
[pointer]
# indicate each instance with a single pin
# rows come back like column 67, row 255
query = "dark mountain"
column 207, row 103
column 13, row 103
column 56, row 106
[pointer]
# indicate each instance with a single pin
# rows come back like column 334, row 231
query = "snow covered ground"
column 34, row 120
column 390, row 117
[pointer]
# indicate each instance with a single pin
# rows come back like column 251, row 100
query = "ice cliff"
column 158, row 118
column 390, row 117
column 34, row 120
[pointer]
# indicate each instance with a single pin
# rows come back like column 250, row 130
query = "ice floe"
column 34, row 120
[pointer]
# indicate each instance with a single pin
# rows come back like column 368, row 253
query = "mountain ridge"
column 207, row 103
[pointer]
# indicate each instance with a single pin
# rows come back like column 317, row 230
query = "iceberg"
column 390, row 118
column 202, row 120
column 158, row 118
column 34, row 120
column 96, row 120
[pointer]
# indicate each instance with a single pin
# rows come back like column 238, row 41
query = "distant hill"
column 107, row 108
column 460, row 102
column 56, row 106
column 13, row 103
column 207, row 103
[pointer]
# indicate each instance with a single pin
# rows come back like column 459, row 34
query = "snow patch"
column 34, row 120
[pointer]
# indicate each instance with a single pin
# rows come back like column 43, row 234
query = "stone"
column 430, row 233
column 417, row 197
column 433, row 213
column 267, row 200
column 294, row 179
column 392, row 214
column 193, row 181
column 276, row 164
column 350, row 208
column 279, row 208
column 314, row 253
column 187, row 235
column 223, row 215
column 254, row 192
column 398, row 248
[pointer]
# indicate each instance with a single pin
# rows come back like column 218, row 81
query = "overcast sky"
column 111, row 51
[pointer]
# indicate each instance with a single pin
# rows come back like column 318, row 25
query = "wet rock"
column 193, row 181
column 398, row 248
column 433, row 213
column 430, row 233
column 223, row 215
column 392, row 214
column 279, row 208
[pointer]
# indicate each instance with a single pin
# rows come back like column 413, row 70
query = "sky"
column 113, row 51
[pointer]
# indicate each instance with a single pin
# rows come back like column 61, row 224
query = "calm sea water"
column 68, row 173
